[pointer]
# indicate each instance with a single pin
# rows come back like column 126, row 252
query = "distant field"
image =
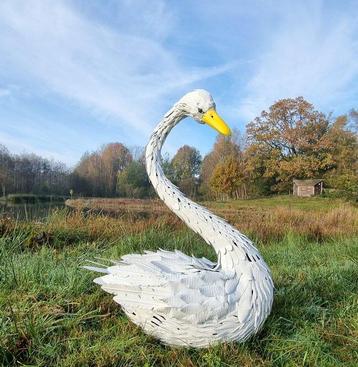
column 51, row 314
column 292, row 202
column 288, row 201
column 263, row 219
column 117, row 205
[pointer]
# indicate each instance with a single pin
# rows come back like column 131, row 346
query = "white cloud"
column 140, row 17
column 306, row 55
column 21, row 145
column 51, row 46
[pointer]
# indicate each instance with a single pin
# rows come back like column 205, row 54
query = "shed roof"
column 312, row 182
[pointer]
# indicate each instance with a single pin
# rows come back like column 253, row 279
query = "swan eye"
column 200, row 110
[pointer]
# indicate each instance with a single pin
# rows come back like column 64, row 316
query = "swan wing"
column 170, row 284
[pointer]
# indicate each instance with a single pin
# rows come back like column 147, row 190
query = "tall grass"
column 275, row 223
column 51, row 314
column 261, row 223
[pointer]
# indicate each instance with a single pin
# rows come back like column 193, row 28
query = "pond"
column 27, row 212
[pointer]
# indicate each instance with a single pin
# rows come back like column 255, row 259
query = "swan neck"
column 160, row 133
column 228, row 242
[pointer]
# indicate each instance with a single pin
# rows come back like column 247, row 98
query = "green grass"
column 51, row 314
column 289, row 201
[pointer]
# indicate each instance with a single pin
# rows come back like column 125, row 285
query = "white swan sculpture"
column 183, row 300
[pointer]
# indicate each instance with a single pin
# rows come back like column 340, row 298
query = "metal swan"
column 183, row 300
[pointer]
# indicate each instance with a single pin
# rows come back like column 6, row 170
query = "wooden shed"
column 307, row 188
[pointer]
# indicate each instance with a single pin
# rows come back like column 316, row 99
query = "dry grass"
column 119, row 206
column 262, row 224
column 314, row 219
column 274, row 223
column 65, row 227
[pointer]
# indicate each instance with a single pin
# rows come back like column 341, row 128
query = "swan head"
column 199, row 105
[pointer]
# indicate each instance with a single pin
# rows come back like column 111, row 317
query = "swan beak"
column 212, row 119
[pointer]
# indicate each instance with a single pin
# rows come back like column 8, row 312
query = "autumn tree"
column 115, row 158
column 289, row 141
column 96, row 174
column 229, row 179
column 344, row 144
column 186, row 165
column 353, row 121
column 88, row 175
column 224, row 147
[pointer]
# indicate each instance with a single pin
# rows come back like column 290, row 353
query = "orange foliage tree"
column 229, row 179
column 291, row 140
column 224, row 147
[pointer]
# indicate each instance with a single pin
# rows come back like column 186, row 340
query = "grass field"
column 51, row 314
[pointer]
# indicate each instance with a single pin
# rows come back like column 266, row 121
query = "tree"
column 344, row 143
column 224, row 147
column 88, row 177
column 186, row 166
column 96, row 174
column 167, row 167
column 186, row 162
column 30, row 173
column 5, row 169
column 353, row 121
column 289, row 141
column 229, row 179
column 133, row 181
column 115, row 157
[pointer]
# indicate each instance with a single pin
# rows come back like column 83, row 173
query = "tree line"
column 290, row 140
column 30, row 173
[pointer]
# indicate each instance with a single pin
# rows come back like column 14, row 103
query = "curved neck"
column 157, row 139
column 226, row 240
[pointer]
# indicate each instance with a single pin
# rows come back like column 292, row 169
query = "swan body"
column 183, row 300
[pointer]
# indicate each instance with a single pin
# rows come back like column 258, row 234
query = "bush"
column 341, row 194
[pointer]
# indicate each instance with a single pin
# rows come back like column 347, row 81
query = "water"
column 27, row 212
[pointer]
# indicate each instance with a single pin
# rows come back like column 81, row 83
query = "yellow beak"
column 212, row 119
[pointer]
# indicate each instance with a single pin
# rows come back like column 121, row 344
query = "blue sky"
column 77, row 74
